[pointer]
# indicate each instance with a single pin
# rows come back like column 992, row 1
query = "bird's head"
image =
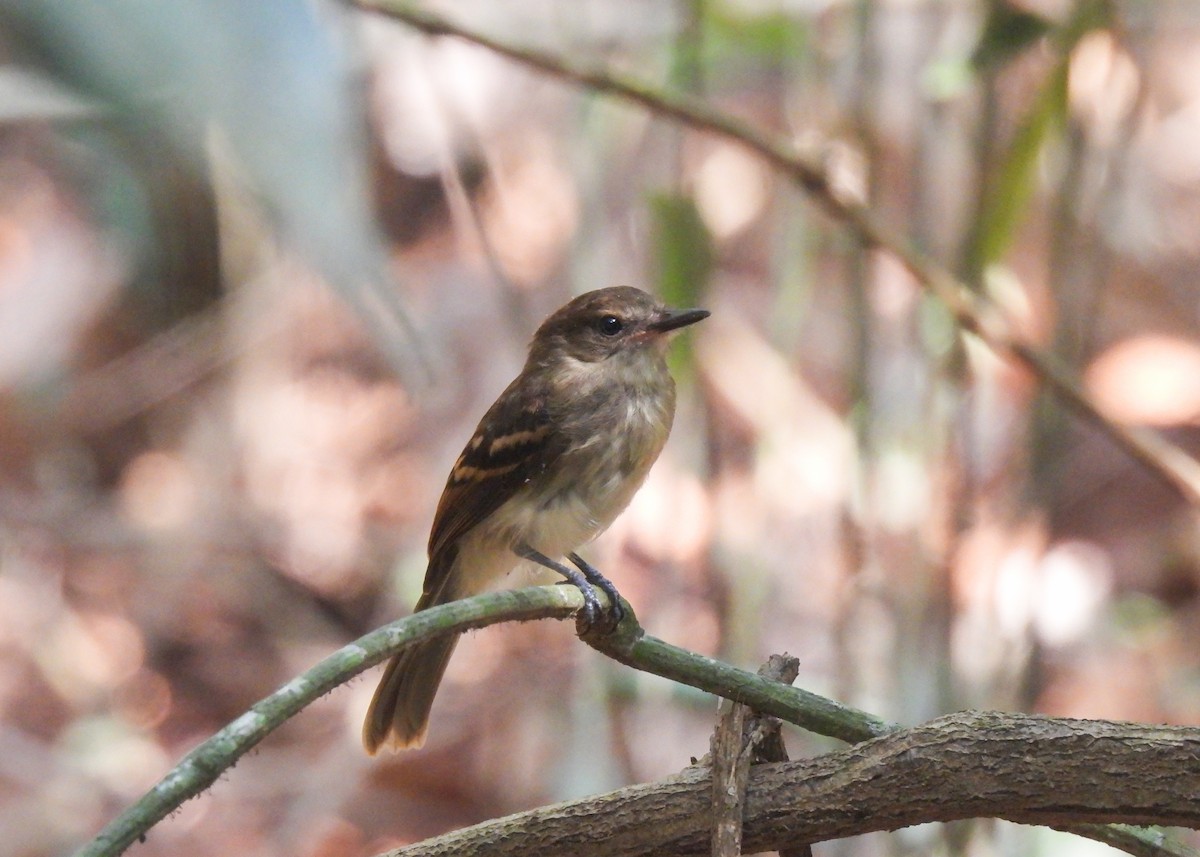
column 599, row 325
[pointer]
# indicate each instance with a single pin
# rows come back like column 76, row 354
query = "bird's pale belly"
column 560, row 518
column 563, row 525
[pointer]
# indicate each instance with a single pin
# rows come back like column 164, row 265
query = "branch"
column 1024, row 768
column 630, row 645
column 729, row 768
column 744, row 737
column 1138, row 841
column 1157, row 454
column 200, row 768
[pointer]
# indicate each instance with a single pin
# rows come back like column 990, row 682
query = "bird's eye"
column 610, row 325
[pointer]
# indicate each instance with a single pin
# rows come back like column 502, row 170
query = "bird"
column 552, row 463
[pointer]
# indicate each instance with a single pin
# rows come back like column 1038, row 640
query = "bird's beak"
column 673, row 319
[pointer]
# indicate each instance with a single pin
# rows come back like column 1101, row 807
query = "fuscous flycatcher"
column 551, row 464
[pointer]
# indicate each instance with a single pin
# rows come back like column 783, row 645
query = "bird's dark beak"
column 673, row 319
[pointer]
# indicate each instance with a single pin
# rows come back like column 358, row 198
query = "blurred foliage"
column 1007, row 32
column 684, row 258
column 211, row 473
column 1010, row 192
column 736, row 35
column 1016, row 180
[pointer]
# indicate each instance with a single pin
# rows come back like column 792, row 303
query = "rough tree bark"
column 1024, row 768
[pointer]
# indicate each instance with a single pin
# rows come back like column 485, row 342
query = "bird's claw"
column 590, row 617
column 615, row 611
column 589, row 614
column 605, row 620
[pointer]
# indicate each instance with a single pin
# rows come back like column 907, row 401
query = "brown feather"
column 512, row 444
column 550, row 465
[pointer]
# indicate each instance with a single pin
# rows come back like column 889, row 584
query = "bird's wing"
column 513, row 443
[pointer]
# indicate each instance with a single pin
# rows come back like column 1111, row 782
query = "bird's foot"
column 615, row 612
column 591, row 615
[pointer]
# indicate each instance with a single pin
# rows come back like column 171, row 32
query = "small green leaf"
column 1009, row 194
column 684, row 255
column 683, row 249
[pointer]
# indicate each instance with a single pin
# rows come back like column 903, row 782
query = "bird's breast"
column 611, row 424
column 610, row 452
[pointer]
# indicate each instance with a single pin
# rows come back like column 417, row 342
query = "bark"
column 1029, row 769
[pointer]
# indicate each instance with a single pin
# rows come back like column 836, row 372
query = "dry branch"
column 971, row 313
column 1151, row 774
column 1023, row 768
column 629, row 645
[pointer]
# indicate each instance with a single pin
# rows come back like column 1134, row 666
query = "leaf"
column 684, row 252
column 1009, row 194
column 683, row 248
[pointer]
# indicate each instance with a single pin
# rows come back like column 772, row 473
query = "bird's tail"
column 398, row 716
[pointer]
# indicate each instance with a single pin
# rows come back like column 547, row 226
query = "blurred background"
column 263, row 266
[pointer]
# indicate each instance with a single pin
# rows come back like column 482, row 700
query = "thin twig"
column 744, row 737
column 630, row 645
column 766, row 737
column 730, row 765
column 971, row 313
